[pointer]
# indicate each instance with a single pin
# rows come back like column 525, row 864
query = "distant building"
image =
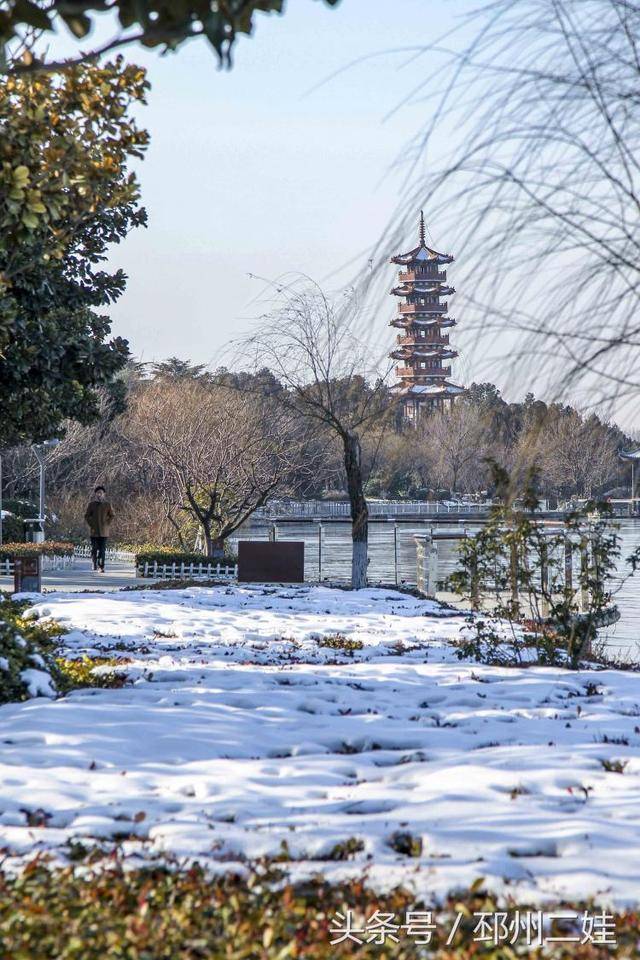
column 423, row 381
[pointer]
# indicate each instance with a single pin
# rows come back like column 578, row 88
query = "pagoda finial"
column 422, row 240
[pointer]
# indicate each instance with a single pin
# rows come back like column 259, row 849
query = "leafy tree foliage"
column 65, row 194
column 150, row 23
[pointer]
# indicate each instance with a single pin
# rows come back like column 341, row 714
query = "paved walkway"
column 81, row 576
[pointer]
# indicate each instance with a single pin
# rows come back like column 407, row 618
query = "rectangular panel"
column 266, row 562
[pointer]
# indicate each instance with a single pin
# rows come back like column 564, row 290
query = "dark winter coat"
column 99, row 516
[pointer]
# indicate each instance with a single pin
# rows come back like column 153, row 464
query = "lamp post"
column 38, row 450
column 633, row 457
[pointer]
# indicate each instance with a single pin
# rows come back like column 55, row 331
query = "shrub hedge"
column 165, row 912
column 30, row 644
column 171, row 555
column 25, row 645
column 49, row 548
column 82, row 672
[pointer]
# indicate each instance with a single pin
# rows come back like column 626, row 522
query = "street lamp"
column 38, row 450
column 634, row 457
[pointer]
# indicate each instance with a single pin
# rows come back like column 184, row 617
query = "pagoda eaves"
column 421, row 253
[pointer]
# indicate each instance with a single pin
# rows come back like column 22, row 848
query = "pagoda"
column 422, row 346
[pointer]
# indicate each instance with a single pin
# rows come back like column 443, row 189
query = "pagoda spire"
column 423, row 346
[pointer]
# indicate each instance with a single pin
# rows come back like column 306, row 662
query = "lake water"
column 328, row 553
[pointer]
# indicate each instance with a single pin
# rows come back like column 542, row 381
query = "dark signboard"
column 26, row 575
column 260, row 561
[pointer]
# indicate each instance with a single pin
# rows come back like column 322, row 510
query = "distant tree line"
column 575, row 454
column 194, row 452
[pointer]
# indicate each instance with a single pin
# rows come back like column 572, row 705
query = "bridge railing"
column 320, row 509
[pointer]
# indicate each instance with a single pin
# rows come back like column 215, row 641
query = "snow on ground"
column 241, row 732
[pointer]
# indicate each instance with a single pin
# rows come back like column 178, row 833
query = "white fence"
column 188, row 571
column 154, row 571
column 377, row 508
column 64, row 562
column 83, row 552
column 48, row 563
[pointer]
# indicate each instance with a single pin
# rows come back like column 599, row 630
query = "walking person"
column 99, row 517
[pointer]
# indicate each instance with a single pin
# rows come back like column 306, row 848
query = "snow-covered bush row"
column 27, row 662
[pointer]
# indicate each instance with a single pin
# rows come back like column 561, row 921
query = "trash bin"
column 27, row 574
column 33, row 530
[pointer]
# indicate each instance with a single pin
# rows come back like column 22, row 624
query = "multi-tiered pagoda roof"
column 423, row 380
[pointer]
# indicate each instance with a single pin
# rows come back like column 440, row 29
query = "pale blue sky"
column 294, row 162
column 256, row 171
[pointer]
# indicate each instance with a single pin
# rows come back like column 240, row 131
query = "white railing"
column 48, row 563
column 57, row 562
column 154, row 571
column 377, row 508
column 187, row 571
column 83, row 552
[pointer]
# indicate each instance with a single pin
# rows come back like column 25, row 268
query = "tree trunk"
column 359, row 510
column 208, row 541
column 176, row 526
column 217, row 548
column 214, row 546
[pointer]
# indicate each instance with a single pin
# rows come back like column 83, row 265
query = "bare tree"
column 541, row 192
column 459, row 440
column 222, row 455
column 577, row 452
column 309, row 343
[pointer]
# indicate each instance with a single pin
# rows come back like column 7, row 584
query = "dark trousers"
column 98, row 550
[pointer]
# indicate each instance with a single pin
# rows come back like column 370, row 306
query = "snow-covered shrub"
column 90, row 672
column 27, row 663
column 32, row 664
